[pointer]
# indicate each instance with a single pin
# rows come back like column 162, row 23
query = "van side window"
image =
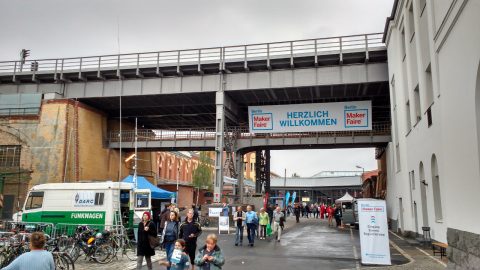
column 99, row 196
column 35, row 200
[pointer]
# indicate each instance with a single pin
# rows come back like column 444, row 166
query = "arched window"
column 437, row 198
column 423, row 194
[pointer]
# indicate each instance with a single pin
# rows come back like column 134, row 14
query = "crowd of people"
column 179, row 239
column 321, row 211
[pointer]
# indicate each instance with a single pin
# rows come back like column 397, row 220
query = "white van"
column 99, row 203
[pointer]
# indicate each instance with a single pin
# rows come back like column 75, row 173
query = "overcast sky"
column 69, row 28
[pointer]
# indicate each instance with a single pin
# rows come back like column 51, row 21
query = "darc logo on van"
column 86, row 216
column 84, row 198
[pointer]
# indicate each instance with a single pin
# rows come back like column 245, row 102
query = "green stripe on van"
column 70, row 217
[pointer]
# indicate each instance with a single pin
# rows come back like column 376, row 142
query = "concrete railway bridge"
column 198, row 99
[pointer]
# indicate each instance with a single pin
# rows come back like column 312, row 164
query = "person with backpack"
column 170, row 235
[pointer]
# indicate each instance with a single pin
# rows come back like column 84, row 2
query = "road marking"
column 399, row 237
column 431, row 257
column 404, row 254
column 355, row 254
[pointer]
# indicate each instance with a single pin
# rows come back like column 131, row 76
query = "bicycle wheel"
column 74, row 253
column 130, row 250
column 103, row 253
column 67, row 260
column 65, row 243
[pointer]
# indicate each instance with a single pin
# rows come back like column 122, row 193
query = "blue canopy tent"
column 143, row 183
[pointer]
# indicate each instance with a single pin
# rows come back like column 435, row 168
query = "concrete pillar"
column 219, row 136
column 239, row 164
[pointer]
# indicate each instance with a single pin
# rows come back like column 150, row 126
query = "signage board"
column 312, row 117
column 84, row 198
column 223, row 224
column 373, row 224
column 214, row 212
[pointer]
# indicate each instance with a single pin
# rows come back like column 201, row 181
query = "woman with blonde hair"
column 210, row 256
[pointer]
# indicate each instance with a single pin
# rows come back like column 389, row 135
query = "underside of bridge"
column 197, row 110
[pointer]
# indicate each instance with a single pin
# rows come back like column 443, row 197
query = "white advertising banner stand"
column 223, row 224
column 374, row 243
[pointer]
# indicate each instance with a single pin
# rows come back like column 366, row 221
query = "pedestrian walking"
column 196, row 215
column 179, row 259
column 269, row 211
column 170, row 235
column 315, row 211
column 239, row 219
column 330, row 211
column 37, row 258
column 263, row 221
column 189, row 231
column 252, row 222
column 338, row 215
column 322, row 211
column 297, row 211
column 164, row 217
column 278, row 219
column 146, row 228
column 210, row 256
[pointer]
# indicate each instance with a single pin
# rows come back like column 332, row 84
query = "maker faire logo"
column 262, row 121
column 355, row 117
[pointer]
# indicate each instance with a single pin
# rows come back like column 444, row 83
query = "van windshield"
column 35, row 200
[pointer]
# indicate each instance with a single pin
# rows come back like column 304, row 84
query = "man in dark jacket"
column 189, row 231
column 270, row 213
column 297, row 211
column 338, row 215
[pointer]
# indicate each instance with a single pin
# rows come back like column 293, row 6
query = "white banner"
column 373, row 224
column 214, row 212
column 223, row 224
column 313, row 117
column 84, row 198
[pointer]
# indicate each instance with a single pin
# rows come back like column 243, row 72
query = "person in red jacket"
column 330, row 211
column 322, row 211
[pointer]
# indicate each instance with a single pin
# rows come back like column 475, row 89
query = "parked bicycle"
column 93, row 244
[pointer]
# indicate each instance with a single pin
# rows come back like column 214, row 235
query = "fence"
column 215, row 55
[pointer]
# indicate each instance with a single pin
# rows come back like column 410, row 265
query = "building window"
column 437, row 197
column 412, row 179
column 422, row 5
column 10, row 156
column 402, row 44
column 397, row 156
column 418, row 109
column 409, row 120
column 428, row 86
column 411, row 23
column 429, row 116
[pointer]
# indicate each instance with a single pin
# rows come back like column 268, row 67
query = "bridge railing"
column 240, row 133
column 215, row 55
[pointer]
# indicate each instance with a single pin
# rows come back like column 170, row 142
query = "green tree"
column 202, row 175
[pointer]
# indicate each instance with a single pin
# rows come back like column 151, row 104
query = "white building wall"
column 450, row 50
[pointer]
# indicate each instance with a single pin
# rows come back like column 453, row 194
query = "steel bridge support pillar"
column 262, row 171
column 219, row 139
column 240, row 188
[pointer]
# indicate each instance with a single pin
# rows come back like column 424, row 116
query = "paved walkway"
column 310, row 244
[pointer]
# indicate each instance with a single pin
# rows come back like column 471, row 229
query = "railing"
column 242, row 133
column 218, row 55
column 19, row 111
